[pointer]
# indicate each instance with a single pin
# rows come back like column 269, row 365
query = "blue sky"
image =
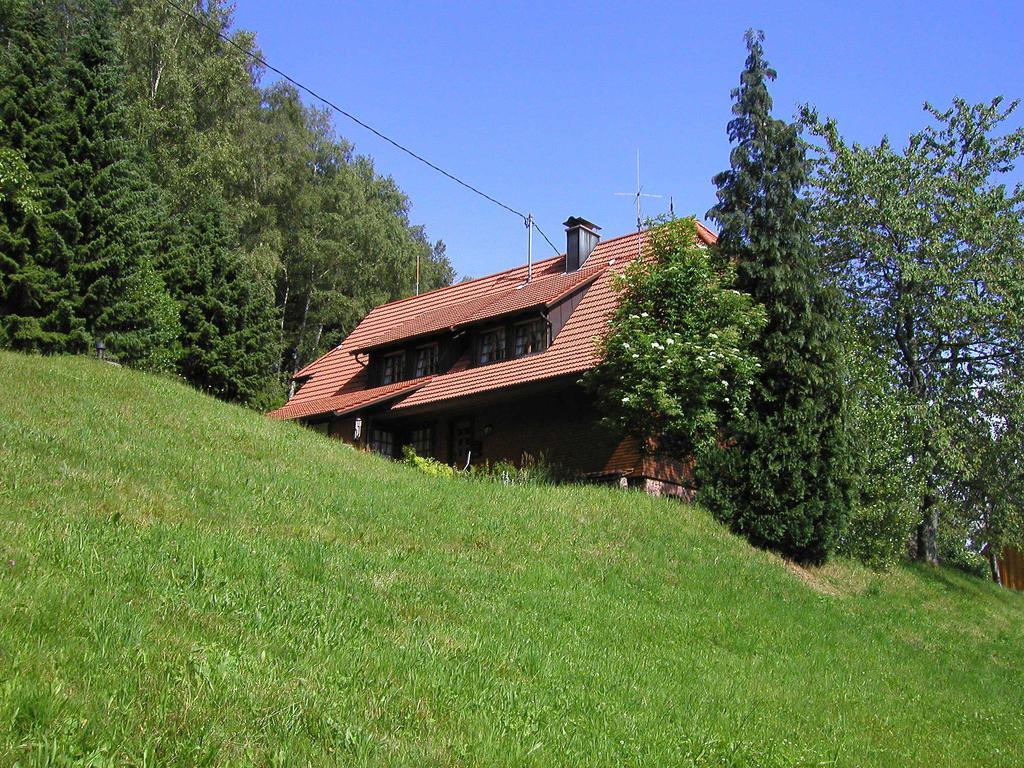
column 544, row 105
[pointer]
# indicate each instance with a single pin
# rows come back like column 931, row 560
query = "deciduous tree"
column 928, row 243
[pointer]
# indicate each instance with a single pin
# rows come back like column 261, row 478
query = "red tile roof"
column 339, row 374
column 340, row 404
column 508, row 297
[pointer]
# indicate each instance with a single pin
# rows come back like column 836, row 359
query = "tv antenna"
column 638, row 196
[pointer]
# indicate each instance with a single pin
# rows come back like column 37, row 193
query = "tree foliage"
column 884, row 508
column 37, row 289
column 229, row 329
column 114, row 208
column 155, row 195
column 676, row 361
column 781, row 476
column 928, row 244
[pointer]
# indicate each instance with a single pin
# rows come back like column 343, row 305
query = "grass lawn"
column 184, row 582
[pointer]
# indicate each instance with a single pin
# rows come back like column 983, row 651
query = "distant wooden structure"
column 1011, row 568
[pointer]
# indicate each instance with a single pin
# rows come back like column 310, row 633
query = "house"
column 488, row 370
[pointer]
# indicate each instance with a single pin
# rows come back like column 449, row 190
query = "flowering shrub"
column 676, row 359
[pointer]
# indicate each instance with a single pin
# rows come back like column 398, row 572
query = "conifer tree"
column 37, row 291
column 780, row 475
column 122, row 298
column 229, row 335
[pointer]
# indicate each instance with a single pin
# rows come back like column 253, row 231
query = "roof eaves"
column 385, row 397
column 329, row 405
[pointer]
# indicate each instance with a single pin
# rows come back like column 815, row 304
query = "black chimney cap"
column 579, row 221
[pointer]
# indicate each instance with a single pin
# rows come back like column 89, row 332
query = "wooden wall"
column 1011, row 568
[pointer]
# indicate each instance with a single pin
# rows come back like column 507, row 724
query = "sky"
column 544, row 105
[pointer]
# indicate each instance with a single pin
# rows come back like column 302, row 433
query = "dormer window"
column 530, row 337
column 492, row 346
column 392, row 368
column 426, row 360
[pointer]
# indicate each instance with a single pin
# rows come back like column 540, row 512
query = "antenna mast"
column 638, row 195
column 529, row 248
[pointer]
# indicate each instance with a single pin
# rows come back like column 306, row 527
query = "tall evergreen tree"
column 780, row 475
column 229, row 331
column 121, row 296
column 37, row 291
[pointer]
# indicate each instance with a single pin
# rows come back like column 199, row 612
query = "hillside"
column 184, row 582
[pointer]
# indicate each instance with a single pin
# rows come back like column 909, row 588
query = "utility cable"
column 546, row 238
column 263, row 62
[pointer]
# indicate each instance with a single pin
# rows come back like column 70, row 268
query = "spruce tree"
column 780, row 475
column 122, row 298
column 230, row 335
column 37, row 290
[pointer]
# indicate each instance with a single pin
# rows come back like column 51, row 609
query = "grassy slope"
column 183, row 581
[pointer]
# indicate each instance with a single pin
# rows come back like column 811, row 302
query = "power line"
column 260, row 60
column 535, row 226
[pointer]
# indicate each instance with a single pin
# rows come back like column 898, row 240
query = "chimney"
column 580, row 240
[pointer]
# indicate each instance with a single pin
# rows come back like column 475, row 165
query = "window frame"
column 398, row 372
column 465, row 425
column 434, row 352
column 541, row 335
column 424, row 447
column 498, row 351
column 377, row 445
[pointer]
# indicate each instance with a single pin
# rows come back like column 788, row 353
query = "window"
column 392, row 368
column 422, row 441
column 426, row 361
column 462, row 441
column 383, row 442
column 492, row 346
column 530, row 337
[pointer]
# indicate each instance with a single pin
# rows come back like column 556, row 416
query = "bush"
column 426, row 465
column 531, row 470
column 676, row 360
column 956, row 552
column 877, row 532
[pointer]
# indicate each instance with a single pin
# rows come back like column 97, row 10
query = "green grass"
column 184, row 582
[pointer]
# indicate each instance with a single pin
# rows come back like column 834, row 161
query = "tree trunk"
column 316, row 341
column 993, row 564
column 927, row 531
